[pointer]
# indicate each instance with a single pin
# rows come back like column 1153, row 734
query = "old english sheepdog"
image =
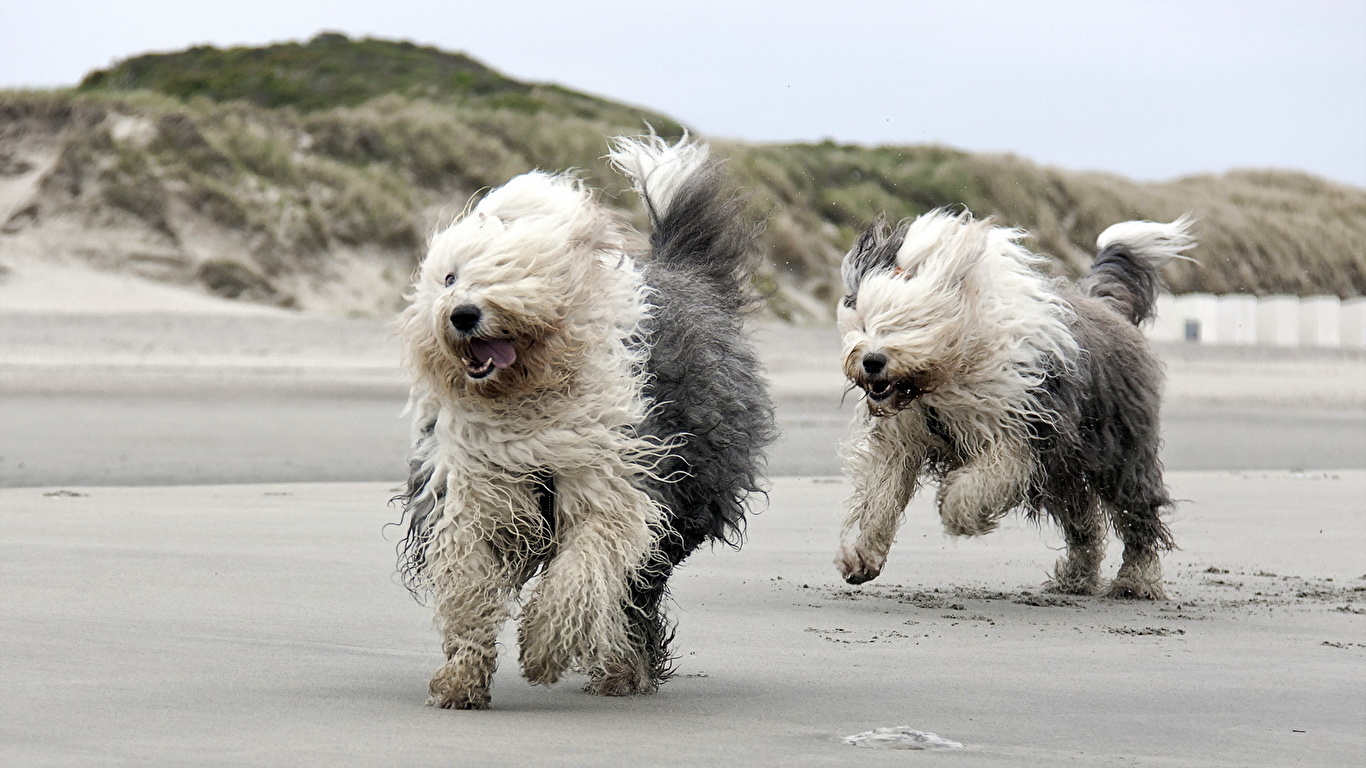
column 586, row 413
column 1011, row 389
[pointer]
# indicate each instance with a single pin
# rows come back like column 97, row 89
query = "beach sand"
column 147, row 618
column 262, row 625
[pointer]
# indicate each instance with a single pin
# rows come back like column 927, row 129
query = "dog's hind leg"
column 884, row 467
column 1136, row 505
column 576, row 616
column 1083, row 528
column 471, row 595
column 1145, row 537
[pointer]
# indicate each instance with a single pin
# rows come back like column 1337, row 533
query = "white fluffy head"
column 519, row 291
column 957, row 313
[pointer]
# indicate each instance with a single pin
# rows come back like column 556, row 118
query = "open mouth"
column 902, row 390
column 489, row 355
column 879, row 390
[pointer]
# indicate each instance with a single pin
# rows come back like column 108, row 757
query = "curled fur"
column 1012, row 390
column 582, row 416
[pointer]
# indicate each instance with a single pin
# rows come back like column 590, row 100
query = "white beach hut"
column 1320, row 321
column 1278, row 321
column 1237, row 323
column 1352, row 323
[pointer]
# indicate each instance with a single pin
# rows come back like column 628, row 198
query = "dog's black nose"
column 465, row 317
column 873, row 363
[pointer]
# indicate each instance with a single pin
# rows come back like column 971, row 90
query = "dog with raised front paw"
column 1009, row 389
column 588, row 411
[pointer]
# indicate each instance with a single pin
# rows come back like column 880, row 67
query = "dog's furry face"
column 897, row 345
column 514, row 295
column 940, row 302
column 903, row 315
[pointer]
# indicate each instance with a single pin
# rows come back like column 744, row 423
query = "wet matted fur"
column 1010, row 389
column 585, row 413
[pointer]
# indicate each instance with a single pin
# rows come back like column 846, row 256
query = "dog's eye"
column 450, row 280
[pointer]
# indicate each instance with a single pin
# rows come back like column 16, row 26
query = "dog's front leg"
column 974, row 497
column 884, row 467
column 471, row 589
column 576, row 617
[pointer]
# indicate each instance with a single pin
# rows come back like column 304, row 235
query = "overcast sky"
column 1150, row 89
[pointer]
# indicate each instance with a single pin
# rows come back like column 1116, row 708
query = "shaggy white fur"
column 656, row 169
column 547, row 270
column 1163, row 242
column 565, row 404
column 995, row 379
column 966, row 310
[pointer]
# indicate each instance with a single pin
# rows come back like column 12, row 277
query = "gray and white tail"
column 1127, row 272
column 697, row 224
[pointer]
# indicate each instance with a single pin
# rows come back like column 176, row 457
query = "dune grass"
column 305, row 149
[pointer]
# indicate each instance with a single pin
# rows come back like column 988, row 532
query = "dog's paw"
column 542, row 666
column 1070, row 579
column 448, row 691
column 543, row 655
column 620, row 681
column 1139, row 578
column 464, row 700
column 541, row 673
column 857, row 566
column 1136, row 589
column 973, row 500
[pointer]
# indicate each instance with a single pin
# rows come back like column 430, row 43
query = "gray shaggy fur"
column 1128, row 281
column 705, row 383
column 420, row 499
column 707, row 396
column 1095, row 436
column 874, row 251
column 1101, row 448
column 1098, row 448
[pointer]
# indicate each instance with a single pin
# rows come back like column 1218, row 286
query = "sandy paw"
column 620, row 681
column 1067, row 580
column 857, row 566
column 448, row 694
column 1135, row 589
column 542, row 666
column 968, row 525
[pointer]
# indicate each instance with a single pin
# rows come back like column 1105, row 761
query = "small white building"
column 1273, row 321
column 1278, row 321
column 1352, row 323
column 1197, row 317
column 1165, row 325
column 1237, row 319
column 1320, row 321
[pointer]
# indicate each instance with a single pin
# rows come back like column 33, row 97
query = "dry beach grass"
column 322, row 194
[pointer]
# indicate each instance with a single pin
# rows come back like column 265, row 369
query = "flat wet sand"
column 177, row 398
column 262, row 625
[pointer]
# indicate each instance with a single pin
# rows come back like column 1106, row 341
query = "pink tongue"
column 499, row 351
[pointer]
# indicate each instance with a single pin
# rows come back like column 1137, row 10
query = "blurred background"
column 209, row 210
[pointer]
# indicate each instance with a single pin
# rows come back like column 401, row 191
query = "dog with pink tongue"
column 588, row 411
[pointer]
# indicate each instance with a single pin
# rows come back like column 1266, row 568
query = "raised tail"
column 1127, row 272
column 697, row 222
